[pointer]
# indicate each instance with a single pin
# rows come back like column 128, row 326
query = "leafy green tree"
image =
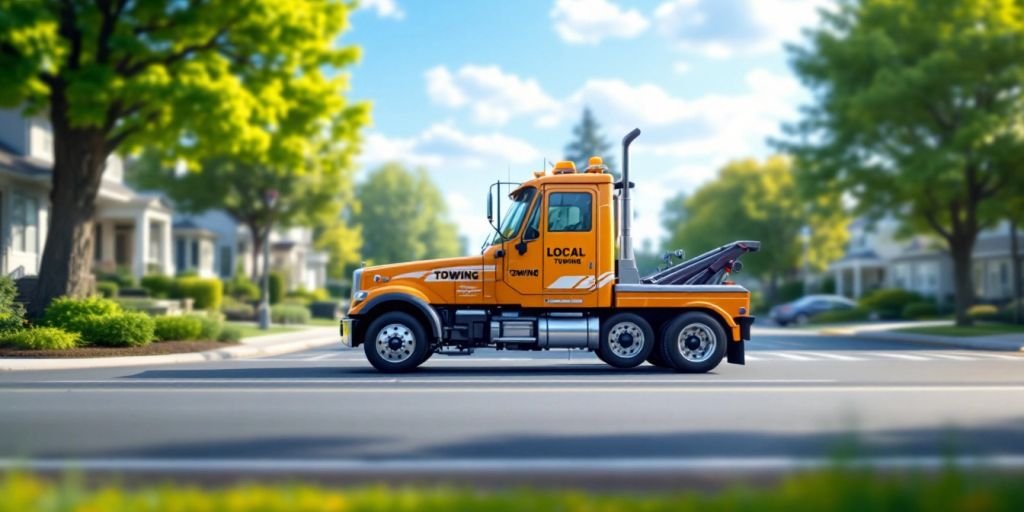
column 751, row 200
column 916, row 104
column 188, row 78
column 588, row 141
column 403, row 217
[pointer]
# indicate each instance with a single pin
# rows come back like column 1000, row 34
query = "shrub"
column 123, row 277
column 289, row 314
column 789, row 291
column 118, row 330
column 40, row 338
column 67, row 313
column 324, row 309
column 245, row 290
column 207, row 293
column 230, row 334
column 107, row 289
column 177, row 328
column 842, row 316
column 135, row 303
column 889, row 302
column 983, row 312
column 277, row 287
column 919, row 310
column 12, row 314
column 210, row 325
column 159, row 286
column 296, row 301
column 235, row 310
column 337, row 290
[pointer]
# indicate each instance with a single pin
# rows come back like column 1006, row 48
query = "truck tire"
column 396, row 342
column 657, row 358
column 694, row 342
column 626, row 340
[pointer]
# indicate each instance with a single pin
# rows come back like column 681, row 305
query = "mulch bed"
column 163, row 347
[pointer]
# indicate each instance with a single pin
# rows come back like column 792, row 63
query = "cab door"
column 524, row 255
column 570, row 246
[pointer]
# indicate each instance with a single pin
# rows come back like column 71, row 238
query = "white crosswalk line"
column 905, row 357
column 835, row 357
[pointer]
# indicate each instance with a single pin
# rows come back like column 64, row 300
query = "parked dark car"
column 800, row 311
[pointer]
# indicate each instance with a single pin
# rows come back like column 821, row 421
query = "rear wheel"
column 626, row 340
column 694, row 342
column 396, row 342
column 658, row 359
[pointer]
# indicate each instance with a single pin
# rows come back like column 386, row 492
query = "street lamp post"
column 269, row 199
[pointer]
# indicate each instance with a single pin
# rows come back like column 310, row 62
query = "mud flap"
column 734, row 352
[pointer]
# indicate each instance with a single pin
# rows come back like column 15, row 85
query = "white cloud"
column 724, row 28
column 590, row 21
column 383, row 8
column 680, row 67
column 442, row 145
column 492, row 95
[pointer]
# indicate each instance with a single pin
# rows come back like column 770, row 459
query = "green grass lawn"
column 250, row 329
column 982, row 329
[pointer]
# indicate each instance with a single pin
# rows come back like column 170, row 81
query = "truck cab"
column 549, row 278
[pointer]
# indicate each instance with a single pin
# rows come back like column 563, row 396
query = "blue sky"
column 469, row 89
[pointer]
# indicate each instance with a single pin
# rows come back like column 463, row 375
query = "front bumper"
column 347, row 325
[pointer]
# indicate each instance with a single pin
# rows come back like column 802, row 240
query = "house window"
column 156, row 239
column 195, row 253
column 97, row 242
column 179, row 254
column 226, row 265
column 24, row 223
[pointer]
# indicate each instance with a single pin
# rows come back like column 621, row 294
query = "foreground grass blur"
column 838, row 489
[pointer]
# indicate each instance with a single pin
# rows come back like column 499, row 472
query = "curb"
column 261, row 346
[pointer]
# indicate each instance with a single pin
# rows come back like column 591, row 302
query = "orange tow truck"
column 550, row 278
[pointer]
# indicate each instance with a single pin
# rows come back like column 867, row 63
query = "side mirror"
column 490, row 208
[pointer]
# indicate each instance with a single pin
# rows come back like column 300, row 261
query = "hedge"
column 158, row 286
column 983, row 312
column 107, row 289
column 820, row 490
column 67, row 313
column 211, row 325
column 919, row 310
column 12, row 314
column 207, row 293
column 119, row 330
column 40, row 338
column 889, row 302
column 230, row 334
column 177, row 328
column 235, row 310
column 277, row 287
column 289, row 314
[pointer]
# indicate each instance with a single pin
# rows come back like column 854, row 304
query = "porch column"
column 858, row 285
column 141, row 245
column 838, row 276
column 166, row 245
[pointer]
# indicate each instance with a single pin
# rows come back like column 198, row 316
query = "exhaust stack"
column 626, row 264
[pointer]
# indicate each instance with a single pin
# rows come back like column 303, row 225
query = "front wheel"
column 694, row 342
column 396, row 342
column 626, row 340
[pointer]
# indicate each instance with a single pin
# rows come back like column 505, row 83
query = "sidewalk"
column 890, row 331
column 254, row 347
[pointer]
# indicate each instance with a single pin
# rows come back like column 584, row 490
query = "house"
column 877, row 258
column 292, row 253
column 132, row 229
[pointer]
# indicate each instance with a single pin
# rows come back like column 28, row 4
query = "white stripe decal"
column 587, row 282
column 565, row 282
column 606, row 280
column 412, row 275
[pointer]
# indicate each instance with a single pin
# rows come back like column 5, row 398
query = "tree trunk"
column 1018, row 284
column 79, row 160
column 963, row 282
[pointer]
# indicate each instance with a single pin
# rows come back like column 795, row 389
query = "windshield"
column 512, row 219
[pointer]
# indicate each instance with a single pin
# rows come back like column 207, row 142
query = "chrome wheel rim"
column 395, row 343
column 626, row 339
column 696, row 343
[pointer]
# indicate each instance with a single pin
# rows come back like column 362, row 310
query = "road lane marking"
column 835, row 357
column 905, row 357
column 321, row 357
column 526, row 466
column 952, row 357
column 989, row 355
column 536, row 389
column 792, row 357
column 423, row 380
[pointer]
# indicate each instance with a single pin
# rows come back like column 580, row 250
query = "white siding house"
column 133, row 230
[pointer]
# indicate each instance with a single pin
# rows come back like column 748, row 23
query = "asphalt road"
column 800, row 400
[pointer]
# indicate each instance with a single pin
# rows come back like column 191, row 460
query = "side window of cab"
column 533, row 225
column 569, row 211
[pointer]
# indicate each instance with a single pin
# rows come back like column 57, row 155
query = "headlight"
column 357, row 282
